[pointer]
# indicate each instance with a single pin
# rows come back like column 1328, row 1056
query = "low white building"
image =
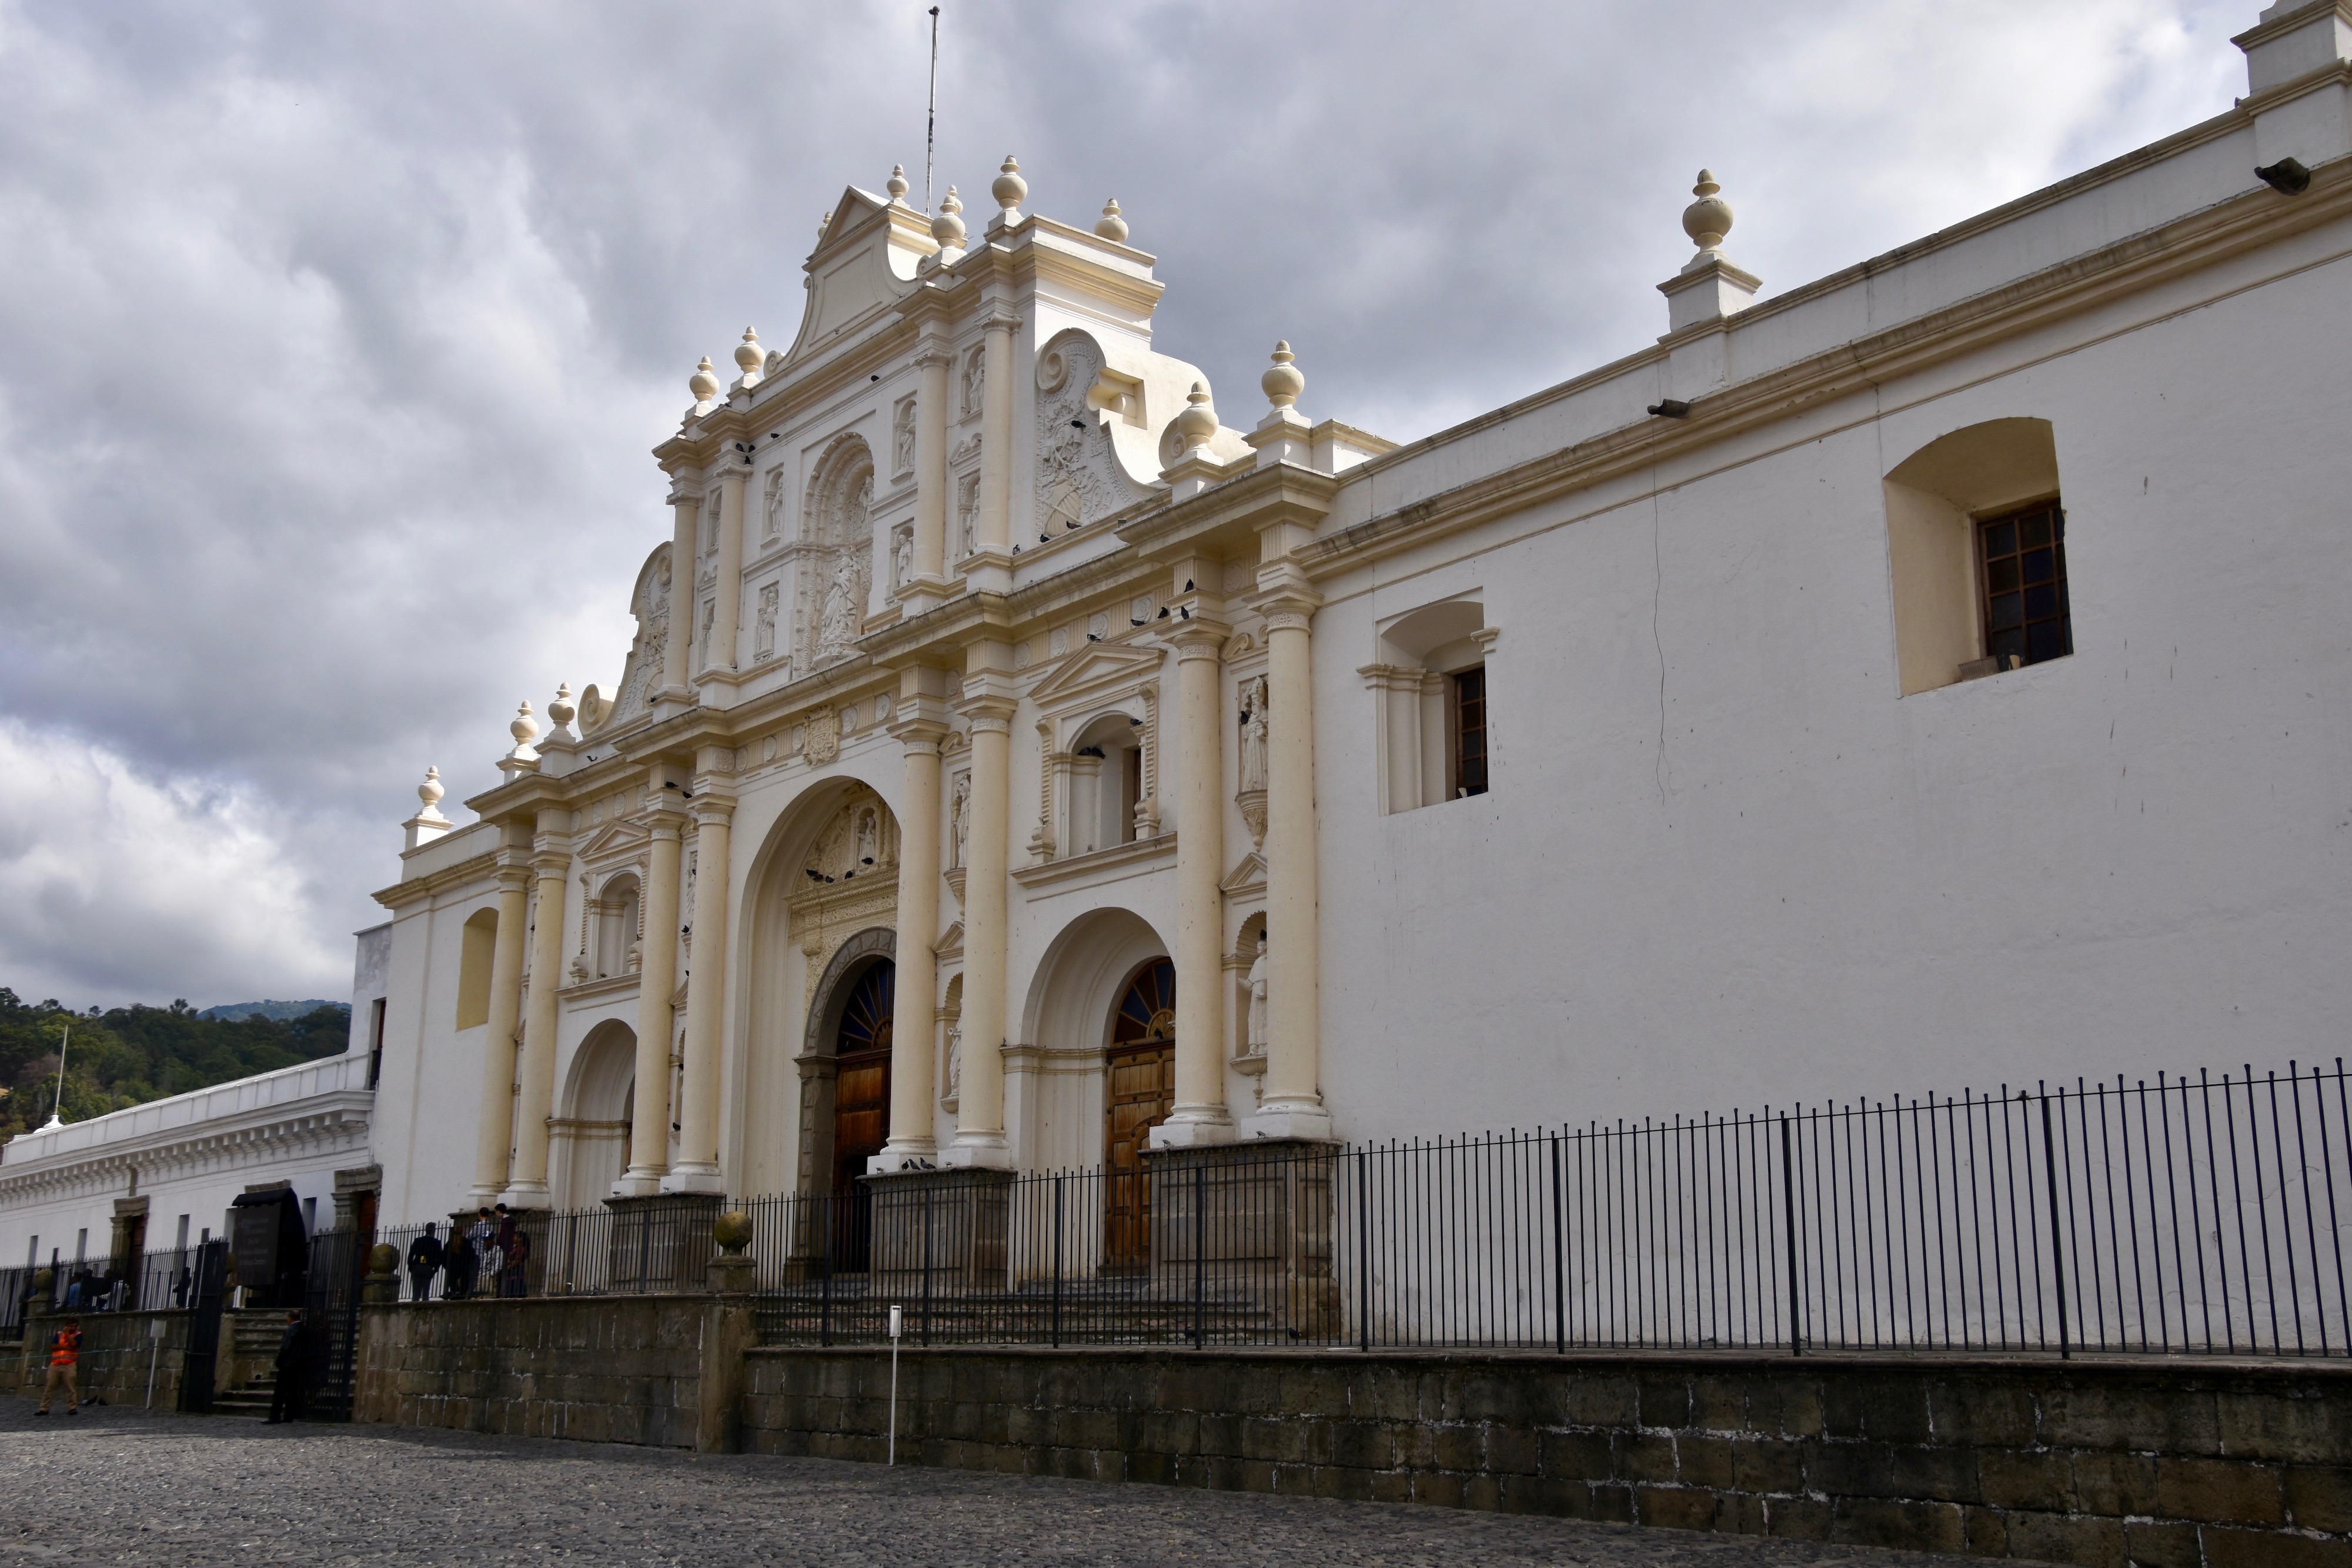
column 1928, row 675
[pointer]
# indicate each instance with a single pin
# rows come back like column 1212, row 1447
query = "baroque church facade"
column 1032, row 757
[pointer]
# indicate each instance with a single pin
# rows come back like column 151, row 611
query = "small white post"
column 898, row 1325
column 154, row 1349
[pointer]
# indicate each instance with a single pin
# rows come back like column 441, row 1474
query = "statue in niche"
column 773, row 511
column 763, row 641
column 869, row 838
column 975, row 375
column 709, row 619
column 902, row 558
column 960, row 819
column 838, row 625
column 1253, row 732
column 968, row 515
column 955, row 1061
column 902, row 439
column 1257, row 999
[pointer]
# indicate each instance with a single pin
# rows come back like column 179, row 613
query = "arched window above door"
column 1147, row 1011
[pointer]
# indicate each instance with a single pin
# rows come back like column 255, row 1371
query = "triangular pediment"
column 613, row 838
column 864, row 262
column 1094, row 667
column 951, row 945
column 1248, row 877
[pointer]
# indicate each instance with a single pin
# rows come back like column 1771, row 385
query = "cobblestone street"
column 120, row 1486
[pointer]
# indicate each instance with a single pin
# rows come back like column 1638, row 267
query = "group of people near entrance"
column 492, row 1255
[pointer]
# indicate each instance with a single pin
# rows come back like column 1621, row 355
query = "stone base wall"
column 662, row 1370
column 2179, row 1464
column 115, row 1352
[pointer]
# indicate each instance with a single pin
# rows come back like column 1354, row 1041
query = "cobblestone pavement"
column 120, row 1486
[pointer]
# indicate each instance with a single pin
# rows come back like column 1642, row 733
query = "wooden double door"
column 861, row 1110
column 1138, row 1091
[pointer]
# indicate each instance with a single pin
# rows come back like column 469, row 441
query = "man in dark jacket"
column 286, row 1400
column 457, row 1265
column 424, row 1262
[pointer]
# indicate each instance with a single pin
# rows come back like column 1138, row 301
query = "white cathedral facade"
column 1030, row 758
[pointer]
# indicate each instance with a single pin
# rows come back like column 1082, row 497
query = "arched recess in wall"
column 1940, row 501
column 1068, row 1015
column 836, row 563
column 1429, row 679
column 810, row 892
column 477, row 945
column 616, row 927
column 591, row 1141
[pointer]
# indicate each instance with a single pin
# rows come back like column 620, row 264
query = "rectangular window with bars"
column 2022, row 554
column 1469, row 704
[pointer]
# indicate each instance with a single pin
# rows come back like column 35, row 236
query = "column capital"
column 1199, row 638
column 999, row 320
column 988, row 710
column 920, row 731
column 1283, row 589
column 667, row 825
column 514, row 872
column 932, row 353
column 711, row 806
column 552, row 860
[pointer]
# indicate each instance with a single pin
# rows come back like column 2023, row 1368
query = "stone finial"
column 704, row 385
column 430, row 793
column 897, row 185
column 947, row 227
column 1708, row 219
column 428, row 824
column 562, row 710
column 1283, row 381
column 1111, row 226
column 525, row 729
column 823, row 222
column 1010, row 189
column 1197, row 424
column 750, row 356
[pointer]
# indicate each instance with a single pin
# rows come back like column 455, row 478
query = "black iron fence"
column 2182, row 1216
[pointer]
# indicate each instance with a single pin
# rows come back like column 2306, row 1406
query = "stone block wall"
column 2179, row 1464
column 661, row 1371
column 115, row 1352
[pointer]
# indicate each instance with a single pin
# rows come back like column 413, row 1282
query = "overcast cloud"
column 333, row 336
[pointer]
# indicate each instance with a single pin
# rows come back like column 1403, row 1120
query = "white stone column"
column 495, row 1140
column 980, row 1104
column 720, row 654
column 657, row 983
column 679, row 645
column 912, row 1136
column 1199, row 1116
column 931, row 482
column 706, row 994
column 550, row 863
column 994, row 526
column 1293, row 1101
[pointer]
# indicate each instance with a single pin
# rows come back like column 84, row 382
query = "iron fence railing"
column 2204, row 1215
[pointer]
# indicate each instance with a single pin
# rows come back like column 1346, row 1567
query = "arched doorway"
column 1138, row 1089
column 589, row 1137
column 850, row 1029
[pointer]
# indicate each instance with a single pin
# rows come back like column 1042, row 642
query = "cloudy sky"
column 333, row 336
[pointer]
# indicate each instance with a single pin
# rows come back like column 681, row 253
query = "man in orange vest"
column 64, row 1356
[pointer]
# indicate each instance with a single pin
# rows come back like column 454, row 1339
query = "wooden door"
column 861, row 1110
column 1138, row 1089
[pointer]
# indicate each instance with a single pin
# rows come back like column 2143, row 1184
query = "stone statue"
column 1253, row 731
column 1257, row 1000
column 763, row 639
column 968, row 515
column 837, row 626
column 869, row 838
column 902, row 439
column 975, row 374
column 955, row 1060
column 902, row 558
column 960, row 819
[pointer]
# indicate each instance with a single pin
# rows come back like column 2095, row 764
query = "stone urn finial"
column 1111, row 226
column 525, row 729
column 1197, row 424
column 431, row 791
column 1010, row 189
column 562, row 711
column 1708, row 219
column 703, row 384
column 1283, row 381
column 897, row 185
column 947, row 227
column 750, row 356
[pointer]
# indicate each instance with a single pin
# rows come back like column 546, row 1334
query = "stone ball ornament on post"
column 381, row 1286
column 730, row 1272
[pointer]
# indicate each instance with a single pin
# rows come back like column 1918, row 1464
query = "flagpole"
column 931, row 119
column 57, row 1110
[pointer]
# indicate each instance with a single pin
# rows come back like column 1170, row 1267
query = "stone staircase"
column 254, row 1337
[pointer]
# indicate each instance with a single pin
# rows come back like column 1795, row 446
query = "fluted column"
column 931, row 482
column 980, row 1095
column 495, row 1140
column 678, row 647
column 1199, row 1116
column 994, row 526
column 657, row 983
column 720, row 654
column 911, row 1133
column 551, row 862
column 1293, row 1101
column 706, row 999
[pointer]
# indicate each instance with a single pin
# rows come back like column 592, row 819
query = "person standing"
column 517, row 1259
column 286, row 1397
column 65, row 1361
column 424, row 1262
column 457, row 1265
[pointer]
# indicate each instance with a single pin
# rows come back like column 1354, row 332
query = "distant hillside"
column 127, row 1056
column 282, row 1012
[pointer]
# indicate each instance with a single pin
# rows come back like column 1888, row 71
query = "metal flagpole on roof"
column 57, row 1110
column 931, row 119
